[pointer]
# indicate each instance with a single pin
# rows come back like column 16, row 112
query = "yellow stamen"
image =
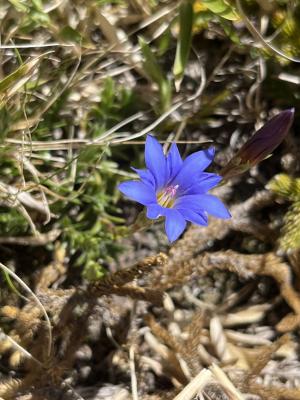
column 166, row 198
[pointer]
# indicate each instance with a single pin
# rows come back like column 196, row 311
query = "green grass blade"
column 155, row 73
column 184, row 41
column 150, row 63
column 14, row 81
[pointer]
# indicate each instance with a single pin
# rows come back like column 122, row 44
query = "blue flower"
column 176, row 189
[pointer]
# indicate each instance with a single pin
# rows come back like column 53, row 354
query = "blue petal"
column 203, row 202
column 138, row 191
column 145, row 176
column 195, row 218
column 156, row 161
column 205, row 182
column 174, row 161
column 154, row 211
column 192, row 166
column 175, row 224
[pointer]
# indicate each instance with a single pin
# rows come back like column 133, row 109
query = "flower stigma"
column 166, row 197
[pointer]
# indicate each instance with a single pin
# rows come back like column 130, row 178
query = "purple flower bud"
column 260, row 145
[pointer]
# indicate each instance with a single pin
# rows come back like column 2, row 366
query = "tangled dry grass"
column 217, row 315
column 177, row 324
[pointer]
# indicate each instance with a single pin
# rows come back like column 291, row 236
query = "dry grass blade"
column 261, row 359
column 36, row 299
column 245, row 316
column 134, row 385
column 275, row 393
column 225, row 382
column 40, row 240
column 17, row 79
column 218, row 339
column 195, row 386
column 254, row 32
column 171, row 365
column 16, row 346
column 162, row 334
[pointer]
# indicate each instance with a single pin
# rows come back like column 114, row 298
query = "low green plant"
column 289, row 188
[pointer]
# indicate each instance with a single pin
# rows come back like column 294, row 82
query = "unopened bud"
column 260, row 145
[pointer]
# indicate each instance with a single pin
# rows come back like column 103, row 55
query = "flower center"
column 166, row 197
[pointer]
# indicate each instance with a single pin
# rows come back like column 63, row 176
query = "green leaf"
column 164, row 42
column 11, row 285
column 186, row 17
column 13, row 82
column 285, row 186
column 223, row 8
column 230, row 31
column 93, row 271
column 5, row 119
column 290, row 235
column 289, row 188
column 150, row 63
column 69, row 34
column 165, row 94
column 19, row 6
column 155, row 73
column 18, row 74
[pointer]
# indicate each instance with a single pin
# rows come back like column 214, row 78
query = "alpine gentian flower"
column 260, row 145
column 176, row 189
